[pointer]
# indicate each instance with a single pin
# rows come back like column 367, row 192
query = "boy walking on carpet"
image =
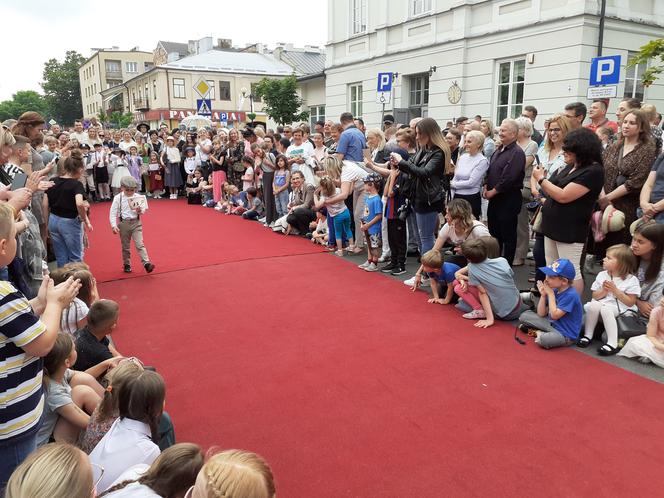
column 128, row 207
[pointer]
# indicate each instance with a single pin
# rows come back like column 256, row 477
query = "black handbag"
column 629, row 323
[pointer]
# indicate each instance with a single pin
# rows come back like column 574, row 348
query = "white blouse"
column 127, row 443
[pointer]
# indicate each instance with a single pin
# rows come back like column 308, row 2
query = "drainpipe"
column 600, row 40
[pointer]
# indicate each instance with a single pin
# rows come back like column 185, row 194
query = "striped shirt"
column 21, row 395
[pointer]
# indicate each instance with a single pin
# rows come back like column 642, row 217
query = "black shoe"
column 127, row 268
column 149, row 267
column 388, row 268
column 399, row 270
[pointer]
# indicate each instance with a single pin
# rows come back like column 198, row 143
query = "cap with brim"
column 84, row 146
column 560, row 268
column 388, row 118
column 189, row 149
column 143, row 125
column 98, row 144
column 170, row 138
column 128, row 182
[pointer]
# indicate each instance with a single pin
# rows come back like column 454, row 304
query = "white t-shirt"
column 191, row 163
column 478, row 230
column 628, row 285
column 337, row 207
column 133, row 490
column 81, row 137
column 351, row 172
column 305, row 149
column 248, row 183
column 125, row 146
column 199, row 149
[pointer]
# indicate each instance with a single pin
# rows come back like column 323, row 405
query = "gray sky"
column 37, row 30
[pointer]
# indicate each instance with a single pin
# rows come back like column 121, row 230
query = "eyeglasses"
column 97, row 474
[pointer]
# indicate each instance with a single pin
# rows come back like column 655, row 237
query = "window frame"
column 221, row 94
column 633, row 75
column 177, row 90
column 317, row 116
column 357, row 26
column 426, row 7
column 114, row 63
column 423, row 92
column 511, row 105
column 131, row 64
column 356, row 107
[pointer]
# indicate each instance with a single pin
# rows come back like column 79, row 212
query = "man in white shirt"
column 128, row 208
column 79, row 134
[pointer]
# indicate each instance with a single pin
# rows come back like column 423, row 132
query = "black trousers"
column 503, row 214
column 475, row 201
column 268, row 197
column 396, row 236
column 300, row 219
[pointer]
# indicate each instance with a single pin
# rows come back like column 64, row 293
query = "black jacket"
column 427, row 170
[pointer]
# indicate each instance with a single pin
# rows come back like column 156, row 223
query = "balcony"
column 141, row 104
column 113, row 75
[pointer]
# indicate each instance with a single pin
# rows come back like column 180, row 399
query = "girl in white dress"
column 649, row 347
column 119, row 172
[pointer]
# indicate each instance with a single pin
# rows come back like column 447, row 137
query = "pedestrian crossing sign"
column 204, row 107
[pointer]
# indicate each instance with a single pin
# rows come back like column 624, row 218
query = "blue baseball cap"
column 560, row 268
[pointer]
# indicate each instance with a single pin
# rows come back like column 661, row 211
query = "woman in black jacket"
column 427, row 169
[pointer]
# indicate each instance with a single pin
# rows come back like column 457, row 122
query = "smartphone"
column 20, row 179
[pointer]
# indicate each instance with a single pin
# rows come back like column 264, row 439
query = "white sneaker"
column 475, row 315
column 262, row 220
column 217, row 208
column 271, row 225
column 423, row 283
column 364, row 265
column 372, row 267
column 410, row 282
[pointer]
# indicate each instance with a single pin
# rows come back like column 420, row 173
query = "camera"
column 404, row 210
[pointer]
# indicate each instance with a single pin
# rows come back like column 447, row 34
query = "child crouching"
column 559, row 310
column 441, row 275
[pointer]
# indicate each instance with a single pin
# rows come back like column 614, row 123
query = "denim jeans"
column 12, row 453
column 426, row 224
column 281, row 202
column 67, row 237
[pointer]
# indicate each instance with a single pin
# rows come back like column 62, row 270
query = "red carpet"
column 352, row 386
column 178, row 236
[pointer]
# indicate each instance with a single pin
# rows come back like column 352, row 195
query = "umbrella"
column 197, row 120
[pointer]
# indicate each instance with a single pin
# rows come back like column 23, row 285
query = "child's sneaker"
column 149, row 267
column 475, row 315
column 372, row 267
column 364, row 265
column 127, row 268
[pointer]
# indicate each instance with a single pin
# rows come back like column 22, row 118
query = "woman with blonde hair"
column 57, row 470
column 234, row 474
column 487, row 129
column 469, row 172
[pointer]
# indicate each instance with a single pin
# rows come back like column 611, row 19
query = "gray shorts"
column 550, row 338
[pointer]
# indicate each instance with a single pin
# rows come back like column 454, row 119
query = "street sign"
column 384, row 88
column 204, row 107
column 202, row 88
column 605, row 70
column 223, row 116
column 602, row 92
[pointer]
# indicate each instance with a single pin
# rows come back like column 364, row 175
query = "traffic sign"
column 383, row 97
column 605, row 70
column 384, row 82
column 204, row 107
column 202, row 88
column 602, row 92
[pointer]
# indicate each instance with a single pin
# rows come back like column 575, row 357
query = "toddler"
column 559, row 311
column 156, row 174
column 319, row 227
column 372, row 222
column 254, row 204
column 615, row 291
column 441, row 274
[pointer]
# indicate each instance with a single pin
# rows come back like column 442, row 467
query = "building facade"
column 108, row 68
column 454, row 58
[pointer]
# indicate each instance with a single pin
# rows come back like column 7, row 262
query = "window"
column 178, row 88
column 253, row 92
column 113, row 67
column 147, row 66
column 316, row 113
column 212, row 91
column 93, row 70
column 154, row 89
column 511, row 77
column 419, row 7
column 224, row 90
column 633, row 83
column 419, row 90
column 112, row 83
column 147, row 91
column 358, row 16
column 355, row 99
column 131, row 67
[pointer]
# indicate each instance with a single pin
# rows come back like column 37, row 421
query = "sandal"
column 584, row 342
column 607, row 350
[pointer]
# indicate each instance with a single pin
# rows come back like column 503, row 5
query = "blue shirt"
column 570, row 324
column 373, row 207
column 351, row 143
column 446, row 273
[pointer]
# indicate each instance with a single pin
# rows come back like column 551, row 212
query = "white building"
column 502, row 54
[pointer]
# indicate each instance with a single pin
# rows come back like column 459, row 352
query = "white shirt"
column 125, row 146
column 120, row 209
column 305, row 149
column 127, row 443
column 81, row 137
column 629, row 285
column 351, row 172
column 133, row 490
column 199, row 149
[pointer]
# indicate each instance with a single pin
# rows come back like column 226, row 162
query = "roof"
column 305, row 63
column 174, row 47
column 232, row 62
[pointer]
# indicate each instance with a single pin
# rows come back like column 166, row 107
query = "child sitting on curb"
column 559, row 311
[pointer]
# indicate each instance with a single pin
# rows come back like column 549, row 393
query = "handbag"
column 157, row 177
column 536, row 222
column 629, row 323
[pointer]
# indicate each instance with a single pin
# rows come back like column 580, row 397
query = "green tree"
column 120, row 120
column 282, row 103
column 62, row 87
column 23, row 101
column 653, row 51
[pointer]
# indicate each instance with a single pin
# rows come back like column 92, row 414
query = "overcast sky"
column 37, row 30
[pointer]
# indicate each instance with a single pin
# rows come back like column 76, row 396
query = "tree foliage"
column 653, row 51
column 62, row 87
column 282, row 102
column 119, row 119
column 23, row 101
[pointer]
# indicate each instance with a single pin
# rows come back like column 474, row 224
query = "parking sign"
column 605, row 70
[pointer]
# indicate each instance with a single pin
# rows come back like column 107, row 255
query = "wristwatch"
column 539, row 182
